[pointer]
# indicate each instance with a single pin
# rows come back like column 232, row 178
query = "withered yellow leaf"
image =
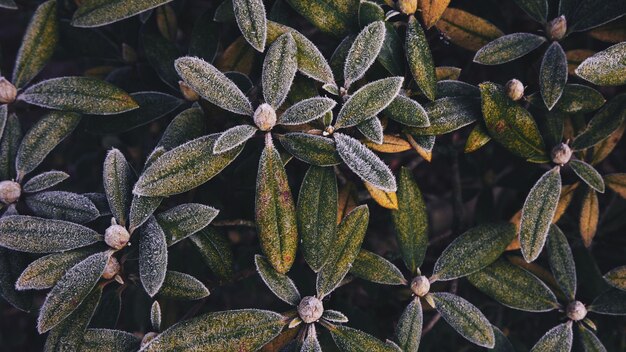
column 466, row 30
column 387, row 200
column 589, row 217
column 391, row 144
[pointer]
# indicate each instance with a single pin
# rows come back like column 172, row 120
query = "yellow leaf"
column 346, row 201
column 604, row 148
column 617, row 183
column 239, row 56
column 567, row 193
column 447, row 72
column 589, row 217
column 432, row 10
column 515, row 220
column 575, row 57
column 476, row 139
column 466, row 30
column 391, row 144
column 612, row 32
column 387, row 200
column 424, row 153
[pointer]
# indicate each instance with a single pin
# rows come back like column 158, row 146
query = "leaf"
column 363, row 52
column 311, row 344
column 312, row 149
column 578, row 98
column 233, row 138
column 152, row 256
column 213, row 85
column 280, row 284
column 343, row 251
column 508, row 48
column 407, row 111
column 584, row 15
column 409, row 329
column 365, row 163
column 250, row 16
column 449, row 114
column 188, row 125
column 447, row 73
column 336, row 17
column 603, row 149
column 603, row 124
column 562, row 262
column 370, row 12
column 536, row 9
column 117, row 178
column 306, row 111
column 390, row 55
column 39, row 141
column 182, row 286
column 374, row 268
column 420, row 58
column 476, row 139
column 317, row 214
column 63, row 206
column 44, row 272
column 537, row 213
column 96, row 13
column 387, row 200
column 349, row 339
column 611, row 302
column 558, row 339
column 279, row 69
column 334, row 316
column 71, row 290
column 36, row 235
column 215, row 251
column 617, row 278
column 8, row 4
column 588, row 174
column 431, row 12
column 155, row 316
column 466, row 319
column 612, row 32
column 466, row 30
column 221, row 332
column 44, row 180
column 514, row 287
column 450, row 88
column 390, row 144
column 589, row 215
column 178, row 170
column 79, row 94
column 575, row 58
column 11, row 137
column 275, row 212
column 96, row 340
column 589, row 340
column 11, row 265
column 553, row 75
column 184, row 220
column 372, row 129
column 38, row 44
column 617, row 183
column 473, row 250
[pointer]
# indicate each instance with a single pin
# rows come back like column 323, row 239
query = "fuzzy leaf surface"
column 407, row 111
column 215, row 251
column 588, row 174
column 409, row 329
column 182, row 286
column 250, row 16
column 537, row 9
column 611, row 302
column 280, row 284
column 603, row 124
column 152, row 256
column 97, row 340
column 557, row 339
column 368, row 101
column 117, row 178
column 62, row 205
column 184, row 220
column 562, row 261
column 617, row 278
column 374, row 268
column 363, row 52
column 312, row 149
column 96, row 13
column 420, row 58
column 306, row 110
column 508, row 48
column 44, row 272
column 606, row 68
column 44, row 181
column 553, row 75
column 234, row 137
column 337, row 17
column 349, row 339
column 279, row 69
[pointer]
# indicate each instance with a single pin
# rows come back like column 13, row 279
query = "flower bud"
column 265, row 117
column 407, row 7
column 8, row 92
column 116, row 236
column 112, row 268
column 557, row 28
column 420, row 286
column 310, row 309
column 147, row 338
column 576, row 311
column 561, row 154
column 10, row 192
column 188, row 92
column 514, row 89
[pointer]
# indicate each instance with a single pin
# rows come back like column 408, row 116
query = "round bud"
column 112, row 268
column 310, row 309
column 10, row 192
column 576, row 311
column 8, row 92
column 328, row 131
column 514, row 89
column 556, row 28
column 407, row 7
column 265, row 117
column 116, row 236
column 147, row 338
column 561, row 154
column 188, row 92
column 420, row 286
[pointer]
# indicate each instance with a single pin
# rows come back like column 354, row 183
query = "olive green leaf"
column 204, row 39
column 47, row 133
column 537, row 9
column 152, row 256
column 502, row 342
column 96, row 13
column 553, row 75
column 312, row 149
column 178, row 170
column 473, row 250
column 311, row 344
column 407, row 111
column 155, row 316
column 372, row 129
column 187, row 125
column 353, row 340
column 603, row 124
column 182, row 286
column 611, row 302
column 617, row 278
column 365, row 163
column 161, row 54
column 71, row 290
column 79, row 94
column 537, row 213
column 409, row 329
column 96, row 340
column 374, row 268
column 334, row 316
column 477, row 139
column 466, row 319
column 279, row 69
column 589, row 340
column 363, row 52
column 275, row 211
column 557, row 339
column 466, row 30
column 245, row 329
column 306, row 110
column 391, row 56
column 514, row 287
column 562, row 262
column 508, row 48
column 575, row 98
column 420, row 59
column 44, row 180
column 13, row 263
column 233, row 137
column 370, row 12
column 215, row 251
column 117, row 178
column 212, row 85
column 343, row 250
column 63, row 206
column 38, row 45
column 585, row 15
column 336, row 17
column 8, row 4
column 184, row 220
column 510, row 124
column 606, row 68
column 317, row 214
column 9, row 144
column 410, row 221
column 449, row 114
column 4, row 113
column 44, row 272
column 142, row 207
column 250, row 16
column 36, row 235
column 588, row 174
column 280, row 284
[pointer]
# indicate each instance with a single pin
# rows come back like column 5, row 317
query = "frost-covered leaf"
column 575, row 98
column 155, row 316
column 96, row 13
column 8, row 4
column 117, row 178
column 584, row 15
column 44, row 272
column 363, row 52
column 449, row 114
column 537, row 9
column 233, row 137
column 374, row 268
column 184, row 220
column 606, row 68
column 537, row 213
column 334, row 316
column 390, row 56
column 337, row 17
column 152, row 256
column 188, row 125
column 141, row 208
column 182, row 286
column 306, row 111
column 589, row 217
column 562, row 262
column 215, row 251
column 589, row 340
column 452, row 88
column 409, row 329
column 98, row 340
column 13, row 263
column 349, row 339
column 36, row 235
column 279, row 69
column 476, row 139
column 508, row 48
column 312, row 149
column 11, row 137
column 311, row 344
column 44, row 181
column 617, row 278
column 611, row 302
column 420, row 59
column 466, row 30
column 387, row 200
column 407, row 111
column 63, row 206
column 370, row 12
column 368, row 101
column 553, row 75
column 588, row 174
column 280, row 284
column 603, row 124
column 250, row 16
column 372, row 129
column 557, row 339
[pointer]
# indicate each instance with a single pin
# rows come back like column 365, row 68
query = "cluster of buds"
column 8, row 92
column 310, row 309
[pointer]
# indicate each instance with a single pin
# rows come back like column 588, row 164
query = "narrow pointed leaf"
column 234, row 137
column 589, row 341
column 617, row 183
column 562, row 262
column 407, row 111
column 449, row 114
column 372, row 129
column 155, row 316
column 603, row 124
column 250, row 16
column 13, row 263
column 215, row 251
column 311, row 344
column 409, row 329
column 588, row 174
column 152, row 256
column 558, row 339
column 466, row 30
column 279, row 69
column 387, row 200
column 96, row 13
column 353, row 340
column 553, row 75
column 537, row 9
column 606, row 68
column 61, row 205
column 184, row 220
column 508, row 48
column 312, row 149
column 374, row 268
column 306, row 111
column 280, row 284
column 182, row 286
column 368, row 101
column 117, row 178
column 390, row 56
column 44, row 272
column 589, row 217
column 9, row 144
column 617, row 278
column 420, row 59
column 477, row 139
column 44, row 181
column 611, row 302
column 334, row 316
column 576, row 98
column 96, row 340
column 363, row 52
column 188, row 125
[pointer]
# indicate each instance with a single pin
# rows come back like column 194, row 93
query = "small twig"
column 235, row 222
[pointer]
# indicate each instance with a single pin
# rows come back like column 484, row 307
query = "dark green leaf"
column 606, row 68
column 372, row 267
column 44, row 181
column 336, row 17
column 95, row 13
column 311, row 344
column 363, row 52
column 188, row 125
column 508, row 48
column 234, row 137
column 562, row 262
column 152, row 256
column 451, row 88
column 372, row 129
column 306, row 111
column 44, row 272
column 603, row 124
column 370, row 12
column 407, row 111
column 280, row 284
column 353, row 340
column 553, row 75
column 12, row 263
column 617, row 278
column 161, row 54
column 184, row 220
column 250, row 16
column 420, row 59
column 204, row 40
column 63, row 206
column 368, row 101
column 182, row 286
column 312, row 149
column 117, row 178
column 575, row 98
column 611, row 302
column 449, row 114
column 8, row 4
column 11, row 137
column 586, row 14
column 391, row 56
column 588, row 174
column 215, row 251
column 589, row 340
column 537, row 9
column 98, row 340
column 409, row 329
column 558, row 339
column 279, row 69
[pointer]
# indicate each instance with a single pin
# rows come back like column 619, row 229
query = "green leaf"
column 98, row 340
column 215, row 251
column 63, row 206
column 71, row 290
column 588, row 174
column 337, row 17
column 204, row 39
column 575, row 98
column 452, row 88
column 537, row 213
column 44, row 181
column 449, row 114
column 188, row 125
column 213, row 85
column 306, row 111
column 178, row 170
column 117, row 178
column 365, row 163
column 391, row 55
column 155, row 316
column 279, row 69
column 611, row 302
column 589, row 340
column 38, row 45
column 312, row 149
column 275, row 211
column 250, row 16
column 374, row 268
column 11, row 137
column 420, row 59
column 410, row 221
column 79, row 94
column 583, row 15
column 184, row 220
column 152, row 256
column 8, row 4
column 553, row 75
column 508, row 48
column 558, row 339
column 317, row 214
column 370, row 12
column 353, row 340
column 233, row 138
column 407, row 111
column 514, row 287
column 372, row 129
column 36, row 235
column 39, row 141
column 343, row 250
column 617, row 278
column 606, row 68
column 44, row 272
column 473, row 250
column 409, row 329
column 182, row 286
column 510, row 124
column 477, row 139
column 13, row 263
column 334, row 316
column 140, row 210
column 562, row 262
column 603, row 124
column 311, row 344
column 245, row 329
column 161, row 54
column 280, row 284
column 537, row 9
column 363, row 52
column 96, row 13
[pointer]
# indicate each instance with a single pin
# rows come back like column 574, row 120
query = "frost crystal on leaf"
column 363, row 52
column 279, row 69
